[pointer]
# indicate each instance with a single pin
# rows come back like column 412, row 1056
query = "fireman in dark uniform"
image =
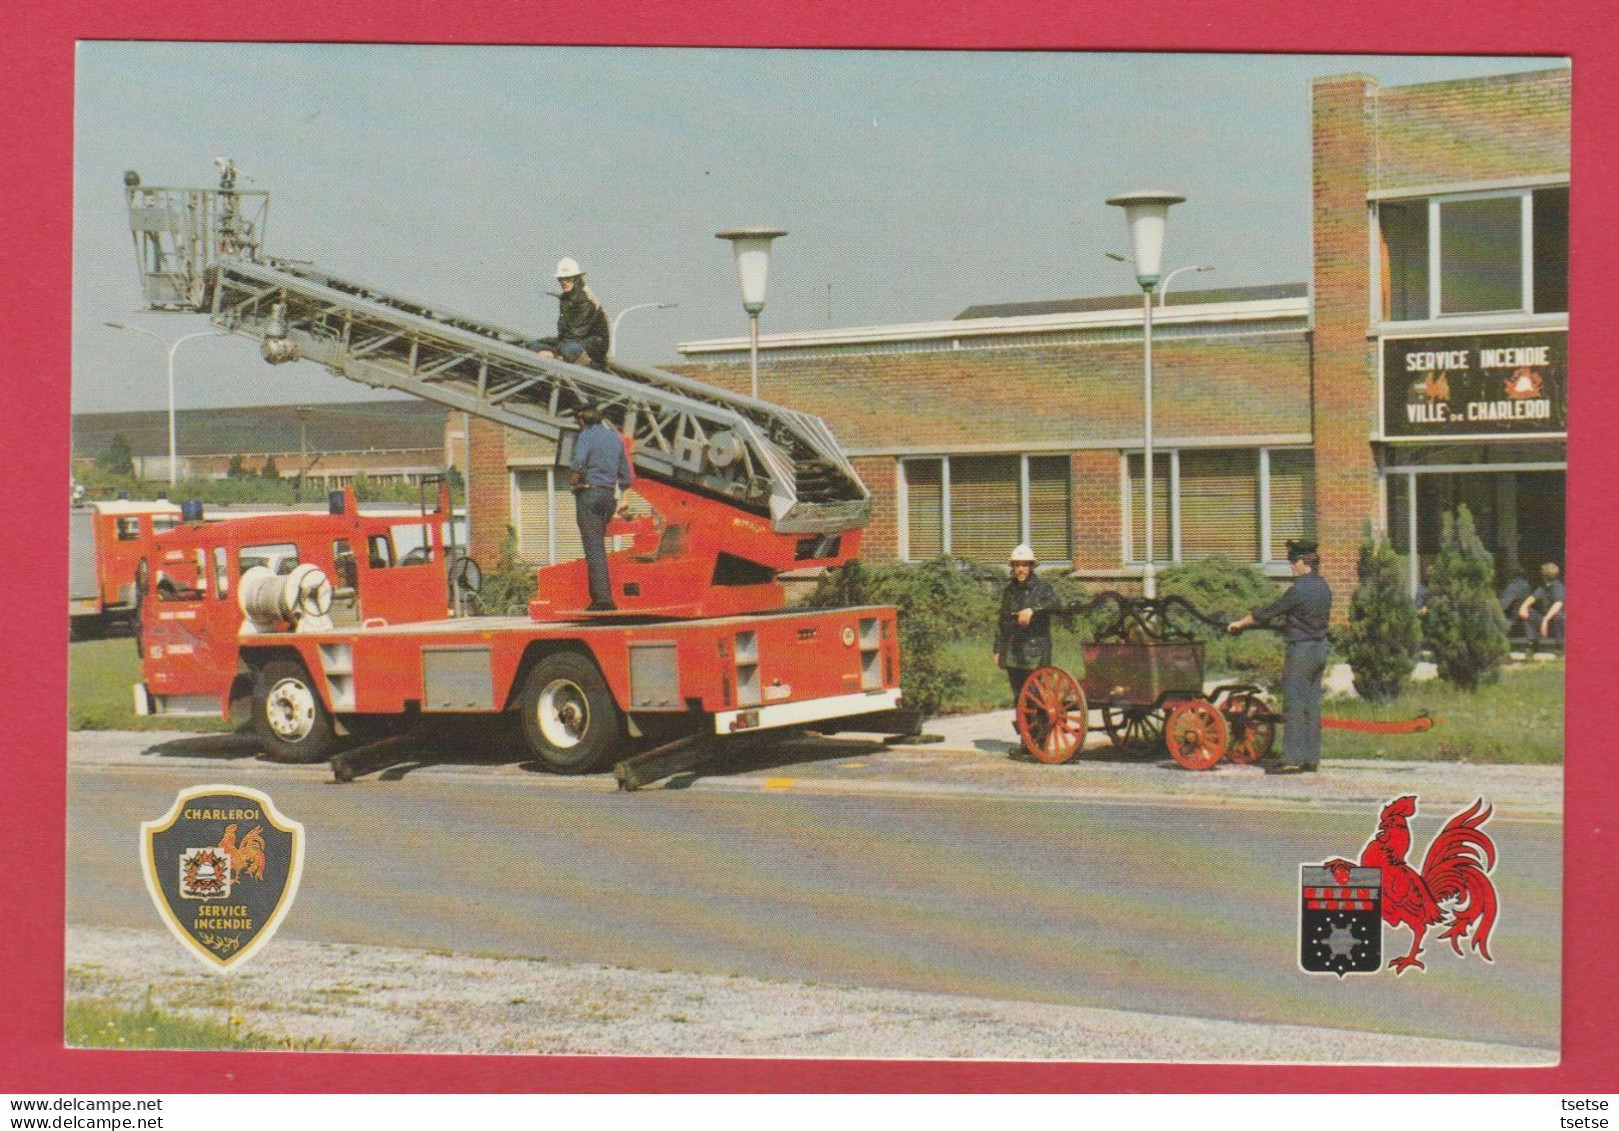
column 1023, row 628
column 1303, row 611
column 583, row 336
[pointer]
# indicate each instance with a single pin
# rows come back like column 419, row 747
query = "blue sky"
column 913, row 184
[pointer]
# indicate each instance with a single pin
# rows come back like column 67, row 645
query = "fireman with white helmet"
column 1023, row 629
column 582, row 330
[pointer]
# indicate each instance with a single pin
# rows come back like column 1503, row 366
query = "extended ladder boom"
column 199, row 249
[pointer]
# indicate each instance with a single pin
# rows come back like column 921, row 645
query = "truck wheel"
column 569, row 717
column 289, row 716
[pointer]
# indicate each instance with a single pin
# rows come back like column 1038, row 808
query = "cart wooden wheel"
column 1252, row 730
column 1051, row 715
column 1196, row 734
column 1134, row 730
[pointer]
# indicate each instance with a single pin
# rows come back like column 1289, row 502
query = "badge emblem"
column 1450, row 889
column 1339, row 911
column 222, row 866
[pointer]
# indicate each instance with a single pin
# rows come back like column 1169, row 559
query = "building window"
column 1404, row 260
column 1242, row 504
column 1219, row 497
column 547, row 531
column 1163, row 541
column 1550, row 221
column 979, row 507
column 1481, row 255
column 1496, row 253
column 1292, row 500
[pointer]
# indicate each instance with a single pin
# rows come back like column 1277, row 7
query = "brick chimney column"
column 1344, row 365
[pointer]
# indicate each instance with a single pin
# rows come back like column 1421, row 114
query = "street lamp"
column 612, row 345
column 752, row 249
column 1146, row 214
column 174, row 456
column 1163, row 288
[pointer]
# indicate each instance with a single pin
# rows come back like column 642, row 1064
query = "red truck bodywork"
column 393, row 648
column 106, row 543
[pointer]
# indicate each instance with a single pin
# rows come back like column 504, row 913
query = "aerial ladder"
column 742, row 489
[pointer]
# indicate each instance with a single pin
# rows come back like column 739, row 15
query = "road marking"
column 780, row 783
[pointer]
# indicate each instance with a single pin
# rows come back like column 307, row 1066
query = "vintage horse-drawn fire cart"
column 1144, row 675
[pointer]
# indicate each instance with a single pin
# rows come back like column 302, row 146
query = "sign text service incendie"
column 1476, row 385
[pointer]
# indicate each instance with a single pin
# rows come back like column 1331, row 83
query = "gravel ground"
column 381, row 999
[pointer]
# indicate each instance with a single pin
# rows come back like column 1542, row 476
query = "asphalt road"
column 891, row 880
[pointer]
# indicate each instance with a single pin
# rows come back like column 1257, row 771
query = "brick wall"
column 1472, row 130
column 1059, row 396
column 488, row 491
column 1344, row 387
column 881, row 477
column 1098, row 511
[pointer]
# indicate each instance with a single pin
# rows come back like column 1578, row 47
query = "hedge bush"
column 1384, row 637
column 1465, row 626
column 509, row 587
column 1226, row 590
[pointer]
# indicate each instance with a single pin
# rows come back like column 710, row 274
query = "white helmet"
column 1023, row 552
column 568, row 269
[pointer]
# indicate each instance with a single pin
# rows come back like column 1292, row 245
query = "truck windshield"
column 279, row 558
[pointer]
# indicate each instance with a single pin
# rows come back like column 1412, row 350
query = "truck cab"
column 207, row 584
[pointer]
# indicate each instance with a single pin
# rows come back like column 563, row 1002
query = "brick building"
column 1441, row 310
column 1422, row 366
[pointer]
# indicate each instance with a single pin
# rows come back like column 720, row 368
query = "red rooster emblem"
column 1453, row 889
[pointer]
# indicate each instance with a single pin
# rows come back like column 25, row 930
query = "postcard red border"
column 37, row 81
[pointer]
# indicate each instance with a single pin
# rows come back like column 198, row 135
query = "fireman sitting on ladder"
column 582, row 332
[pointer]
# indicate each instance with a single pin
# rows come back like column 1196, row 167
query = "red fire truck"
column 335, row 634
column 106, row 542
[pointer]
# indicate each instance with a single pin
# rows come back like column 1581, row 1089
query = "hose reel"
column 271, row 601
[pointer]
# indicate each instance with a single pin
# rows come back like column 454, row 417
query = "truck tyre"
column 289, row 716
column 569, row 718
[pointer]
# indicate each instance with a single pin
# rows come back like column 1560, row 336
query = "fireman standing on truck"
column 582, row 330
column 601, row 468
column 1023, row 629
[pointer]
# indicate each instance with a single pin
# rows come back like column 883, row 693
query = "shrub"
column 1225, row 590
column 116, row 458
column 1465, row 627
column 508, row 588
column 1384, row 636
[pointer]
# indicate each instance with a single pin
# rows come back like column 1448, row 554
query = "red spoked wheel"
column 1051, row 715
column 1196, row 734
column 1251, row 726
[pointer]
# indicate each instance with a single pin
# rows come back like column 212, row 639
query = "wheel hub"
column 290, row 710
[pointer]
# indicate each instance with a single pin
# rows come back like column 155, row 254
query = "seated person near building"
column 1542, row 611
column 1512, row 598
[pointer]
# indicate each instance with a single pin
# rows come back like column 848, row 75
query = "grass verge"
column 92, row 1024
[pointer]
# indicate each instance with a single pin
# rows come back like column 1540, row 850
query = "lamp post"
column 1163, row 288
column 1146, row 214
column 174, row 456
column 612, row 345
column 752, row 249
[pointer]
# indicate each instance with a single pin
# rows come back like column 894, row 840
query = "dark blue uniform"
column 1303, row 611
column 1022, row 648
column 602, row 467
